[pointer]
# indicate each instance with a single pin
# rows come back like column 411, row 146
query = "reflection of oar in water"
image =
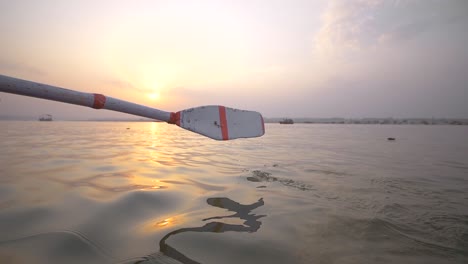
column 217, row 122
column 251, row 224
column 168, row 254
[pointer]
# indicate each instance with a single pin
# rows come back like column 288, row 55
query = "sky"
column 291, row 58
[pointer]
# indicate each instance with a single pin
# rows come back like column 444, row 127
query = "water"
column 103, row 192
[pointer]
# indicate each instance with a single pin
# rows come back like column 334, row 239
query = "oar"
column 214, row 121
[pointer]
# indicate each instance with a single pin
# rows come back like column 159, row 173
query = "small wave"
column 198, row 184
column 418, row 237
column 327, row 172
column 447, row 232
column 53, row 240
column 93, row 182
column 156, row 258
column 263, row 176
column 454, row 164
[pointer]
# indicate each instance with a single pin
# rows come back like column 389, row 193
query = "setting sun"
column 154, row 96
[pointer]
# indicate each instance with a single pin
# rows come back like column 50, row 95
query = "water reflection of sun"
column 165, row 222
column 162, row 223
column 146, row 183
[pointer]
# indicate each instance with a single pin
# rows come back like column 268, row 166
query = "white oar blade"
column 221, row 123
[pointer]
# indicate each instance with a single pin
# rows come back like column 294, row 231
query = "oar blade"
column 221, row 123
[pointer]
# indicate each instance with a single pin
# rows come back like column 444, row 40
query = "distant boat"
column 45, row 118
column 287, row 121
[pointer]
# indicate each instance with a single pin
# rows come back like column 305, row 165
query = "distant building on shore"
column 45, row 117
column 287, row 121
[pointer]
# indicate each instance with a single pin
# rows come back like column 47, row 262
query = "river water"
column 115, row 192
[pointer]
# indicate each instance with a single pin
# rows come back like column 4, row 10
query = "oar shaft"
column 96, row 101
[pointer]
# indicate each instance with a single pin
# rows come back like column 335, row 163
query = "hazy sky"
column 314, row 58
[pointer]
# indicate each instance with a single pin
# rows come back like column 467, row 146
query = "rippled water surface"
column 104, row 192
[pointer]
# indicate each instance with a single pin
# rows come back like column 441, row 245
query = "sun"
column 154, row 96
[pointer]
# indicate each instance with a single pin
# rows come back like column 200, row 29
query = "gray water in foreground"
column 104, row 192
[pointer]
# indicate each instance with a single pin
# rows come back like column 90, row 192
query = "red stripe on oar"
column 223, row 120
column 175, row 118
column 99, row 101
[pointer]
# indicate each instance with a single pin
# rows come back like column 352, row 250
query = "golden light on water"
column 161, row 223
column 146, row 183
column 157, row 184
column 165, row 222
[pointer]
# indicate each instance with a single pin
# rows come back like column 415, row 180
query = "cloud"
column 425, row 22
column 344, row 23
column 363, row 25
column 386, row 57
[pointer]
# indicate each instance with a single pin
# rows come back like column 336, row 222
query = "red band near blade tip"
column 223, row 121
column 174, row 118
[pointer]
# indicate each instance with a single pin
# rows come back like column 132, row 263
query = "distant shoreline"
column 376, row 121
column 338, row 121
